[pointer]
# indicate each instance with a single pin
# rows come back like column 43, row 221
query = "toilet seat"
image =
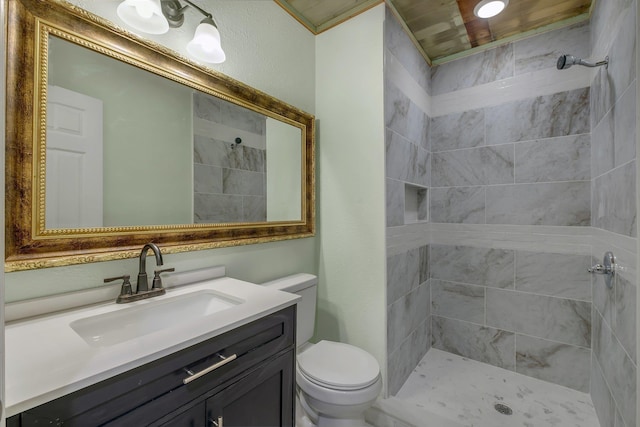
column 338, row 366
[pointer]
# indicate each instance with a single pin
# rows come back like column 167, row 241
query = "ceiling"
column 446, row 29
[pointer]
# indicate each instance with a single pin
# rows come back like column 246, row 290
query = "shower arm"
column 594, row 64
column 567, row 61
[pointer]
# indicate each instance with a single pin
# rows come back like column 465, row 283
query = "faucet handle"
column 157, row 281
column 126, row 285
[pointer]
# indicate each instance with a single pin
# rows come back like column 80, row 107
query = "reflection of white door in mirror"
column 74, row 160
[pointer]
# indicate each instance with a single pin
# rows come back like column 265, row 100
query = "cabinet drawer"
column 261, row 397
column 109, row 399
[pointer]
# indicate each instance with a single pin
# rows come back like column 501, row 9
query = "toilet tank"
column 304, row 285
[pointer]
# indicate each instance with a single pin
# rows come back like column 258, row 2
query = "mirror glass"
column 125, row 147
column 114, row 141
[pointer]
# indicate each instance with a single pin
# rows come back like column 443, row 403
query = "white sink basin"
column 150, row 316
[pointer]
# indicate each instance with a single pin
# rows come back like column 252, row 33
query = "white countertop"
column 46, row 359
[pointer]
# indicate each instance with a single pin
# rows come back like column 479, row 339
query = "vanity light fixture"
column 143, row 15
column 157, row 16
column 489, row 8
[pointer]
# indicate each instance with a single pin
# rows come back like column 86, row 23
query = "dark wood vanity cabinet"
column 256, row 389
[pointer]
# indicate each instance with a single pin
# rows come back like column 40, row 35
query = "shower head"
column 566, row 61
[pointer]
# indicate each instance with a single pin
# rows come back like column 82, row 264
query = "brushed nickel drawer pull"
column 224, row 361
column 216, row 424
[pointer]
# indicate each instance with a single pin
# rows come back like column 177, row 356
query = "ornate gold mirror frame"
column 29, row 245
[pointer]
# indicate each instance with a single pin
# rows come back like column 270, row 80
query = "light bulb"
column 144, row 9
column 143, row 15
column 489, row 8
column 205, row 45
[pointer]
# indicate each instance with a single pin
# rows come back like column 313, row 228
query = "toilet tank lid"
column 294, row 282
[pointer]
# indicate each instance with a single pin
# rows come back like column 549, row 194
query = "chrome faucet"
column 143, row 282
column 143, row 291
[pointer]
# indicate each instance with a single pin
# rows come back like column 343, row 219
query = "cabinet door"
column 262, row 399
column 192, row 417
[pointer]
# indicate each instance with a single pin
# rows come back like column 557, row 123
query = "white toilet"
column 336, row 382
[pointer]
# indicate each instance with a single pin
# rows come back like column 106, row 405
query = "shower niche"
column 416, row 204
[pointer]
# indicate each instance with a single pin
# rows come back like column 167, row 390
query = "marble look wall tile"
column 398, row 153
column 558, row 319
column 603, row 297
column 624, row 117
column 422, row 198
column 403, row 274
column 254, row 208
column 615, row 135
column 558, row 203
column 396, row 108
column 601, row 396
column 473, row 166
column 476, row 342
column 253, row 159
column 207, row 179
column 612, row 208
column 208, row 151
column 617, row 368
column 542, row 51
column 217, row 208
column 241, row 182
column 404, row 117
column 555, row 159
column 404, row 360
column 622, row 55
column 602, row 145
column 462, row 205
column 471, row 265
column 396, row 276
column 457, row 301
column 219, row 111
column 488, row 66
column 601, row 96
column 551, row 361
column 624, row 326
column 458, row 130
column 560, row 114
column 406, row 162
column 553, row 274
column 422, row 168
column 405, row 315
column 619, row 421
column 606, row 19
column 618, row 41
column 423, row 263
column 395, row 202
column 399, row 45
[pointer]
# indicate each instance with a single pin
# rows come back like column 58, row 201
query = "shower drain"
column 503, row 409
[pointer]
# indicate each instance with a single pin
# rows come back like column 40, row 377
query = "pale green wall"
column 284, row 166
column 280, row 63
column 349, row 91
column 147, row 135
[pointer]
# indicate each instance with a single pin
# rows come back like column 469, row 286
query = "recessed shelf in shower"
column 416, row 206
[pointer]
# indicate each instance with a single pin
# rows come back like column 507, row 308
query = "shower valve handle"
column 599, row 269
column 608, row 268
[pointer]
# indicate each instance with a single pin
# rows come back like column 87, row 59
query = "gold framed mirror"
column 206, row 162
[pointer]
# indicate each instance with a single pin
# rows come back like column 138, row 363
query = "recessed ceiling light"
column 489, row 8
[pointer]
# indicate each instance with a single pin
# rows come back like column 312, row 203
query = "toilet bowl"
column 336, row 382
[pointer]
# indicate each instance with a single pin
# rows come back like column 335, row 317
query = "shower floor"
column 446, row 390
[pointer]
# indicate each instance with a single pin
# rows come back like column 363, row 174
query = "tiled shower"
column 229, row 177
column 529, row 177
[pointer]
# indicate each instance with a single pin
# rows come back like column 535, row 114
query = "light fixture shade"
column 143, row 15
column 489, row 8
column 205, row 45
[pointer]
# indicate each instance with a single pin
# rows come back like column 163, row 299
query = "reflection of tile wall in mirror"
column 229, row 178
